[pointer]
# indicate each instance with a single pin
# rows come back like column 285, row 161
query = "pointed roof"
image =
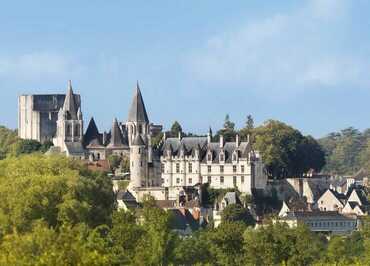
column 69, row 103
column 138, row 141
column 137, row 111
column 116, row 138
column 92, row 135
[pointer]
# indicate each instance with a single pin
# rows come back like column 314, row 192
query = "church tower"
column 69, row 123
column 137, row 122
column 138, row 162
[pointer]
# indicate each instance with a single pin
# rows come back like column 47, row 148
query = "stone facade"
column 38, row 114
column 166, row 169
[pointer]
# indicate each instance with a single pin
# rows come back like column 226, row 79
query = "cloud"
column 298, row 50
column 35, row 66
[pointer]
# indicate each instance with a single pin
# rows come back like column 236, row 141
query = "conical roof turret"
column 137, row 111
column 116, row 135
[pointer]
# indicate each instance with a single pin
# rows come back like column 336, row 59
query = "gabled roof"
column 361, row 174
column 137, row 111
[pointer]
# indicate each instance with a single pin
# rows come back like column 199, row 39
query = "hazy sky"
column 306, row 63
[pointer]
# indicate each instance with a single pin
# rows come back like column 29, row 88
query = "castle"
column 163, row 171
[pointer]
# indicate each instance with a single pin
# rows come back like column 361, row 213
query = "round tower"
column 138, row 162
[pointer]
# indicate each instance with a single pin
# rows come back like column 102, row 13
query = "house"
column 294, row 204
column 183, row 221
column 326, row 222
column 126, row 201
column 221, row 204
column 331, row 201
column 354, row 208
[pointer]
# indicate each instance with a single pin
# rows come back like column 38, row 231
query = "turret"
column 137, row 122
column 138, row 162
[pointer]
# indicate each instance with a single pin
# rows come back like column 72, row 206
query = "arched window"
column 222, row 157
column 209, row 156
column 69, row 130
column 77, row 131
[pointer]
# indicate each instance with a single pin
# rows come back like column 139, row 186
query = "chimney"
column 180, row 135
column 237, row 140
column 221, row 141
column 248, row 138
column 105, row 138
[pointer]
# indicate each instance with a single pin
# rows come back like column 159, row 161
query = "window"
column 209, row 157
column 234, row 168
column 221, row 179
column 190, row 167
column 209, row 168
column 222, row 158
column 209, row 180
column 139, row 150
column 177, row 180
column 140, row 129
column 242, row 168
column 221, row 168
column 141, row 164
column 190, row 180
column 69, row 131
column 234, row 180
column 177, row 168
column 234, row 157
column 77, row 131
column 242, row 179
column 162, row 168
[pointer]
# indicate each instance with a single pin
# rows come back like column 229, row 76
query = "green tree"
column 176, row 129
column 228, row 130
column 247, row 131
column 237, row 213
column 114, row 161
column 285, row 152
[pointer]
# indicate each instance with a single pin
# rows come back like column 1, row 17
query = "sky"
column 304, row 62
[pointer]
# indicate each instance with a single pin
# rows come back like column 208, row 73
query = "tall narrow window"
column 222, row 157
column 209, row 168
column 242, row 168
column 209, row 179
column 190, row 167
column 222, row 179
column 221, row 168
column 234, row 168
column 234, row 180
column 190, row 180
column 242, row 179
column 162, row 168
column 177, row 168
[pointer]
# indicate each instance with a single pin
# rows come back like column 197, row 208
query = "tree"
column 54, row 189
column 247, row 131
column 237, row 213
column 228, row 130
column 285, row 151
column 114, row 161
column 176, row 129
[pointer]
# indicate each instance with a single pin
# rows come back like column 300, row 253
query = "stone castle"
column 164, row 170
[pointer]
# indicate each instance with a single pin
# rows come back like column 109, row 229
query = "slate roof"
column 181, row 219
column 190, row 144
column 70, row 106
column 92, row 137
column 75, row 148
column 117, row 140
column 128, row 199
column 138, row 140
column 361, row 174
column 137, row 111
column 317, row 215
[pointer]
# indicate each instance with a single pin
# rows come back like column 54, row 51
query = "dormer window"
column 235, row 156
column 222, row 157
column 209, row 157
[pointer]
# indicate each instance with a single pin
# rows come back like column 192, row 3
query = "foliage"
column 125, row 164
column 53, row 189
column 347, row 151
column 176, row 129
column 247, row 131
column 210, row 195
column 114, row 161
column 7, row 139
column 237, row 213
column 228, row 130
column 285, row 151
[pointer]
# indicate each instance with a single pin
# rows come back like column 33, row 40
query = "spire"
column 137, row 111
column 116, row 138
column 92, row 135
column 69, row 103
